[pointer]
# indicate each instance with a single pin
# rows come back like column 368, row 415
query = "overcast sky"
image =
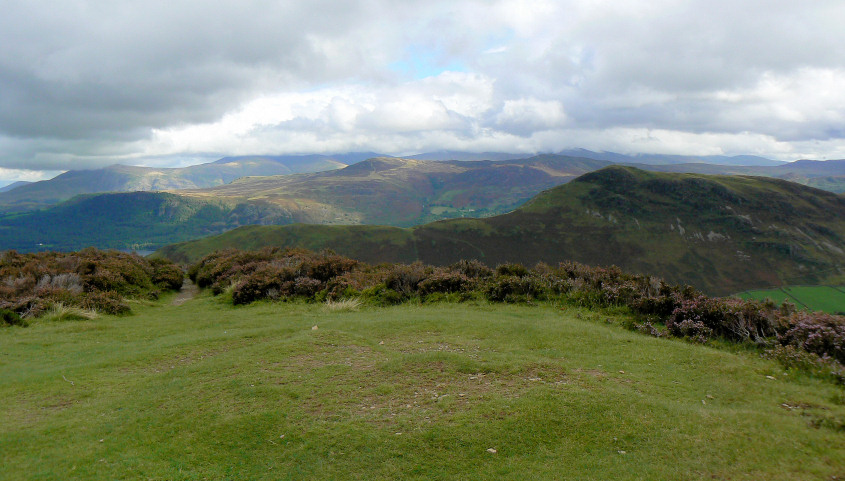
column 169, row 83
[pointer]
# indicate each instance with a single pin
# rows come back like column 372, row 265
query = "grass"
column 208, row 391
column 816, row 298
column 61, row 312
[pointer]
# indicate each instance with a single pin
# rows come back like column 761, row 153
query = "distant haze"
column 169, row 84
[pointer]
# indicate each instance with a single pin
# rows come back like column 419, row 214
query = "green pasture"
column 204, row 390
column 815, row 298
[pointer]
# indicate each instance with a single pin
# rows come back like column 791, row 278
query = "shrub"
column 10, row 318
column 109, row 302
column 446, row 282
column 512, row 270
column 817, row 332
column 472, row 269
column 33, row 282
column 167, row 275
column 510, row 288
column 734, row 319
column 405, row 279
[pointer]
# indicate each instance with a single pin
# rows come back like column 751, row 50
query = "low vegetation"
column 79, row 284
column 659, row 308
column 448, row 391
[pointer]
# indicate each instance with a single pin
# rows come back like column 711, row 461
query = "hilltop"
column 722, row 234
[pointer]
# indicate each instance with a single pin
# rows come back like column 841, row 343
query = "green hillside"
column 125, row 178
column 205, row 390
column 722, row 234
column 133, row 220
column 380, row 191
column 407, row 192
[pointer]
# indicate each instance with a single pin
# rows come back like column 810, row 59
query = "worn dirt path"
column 189, row 291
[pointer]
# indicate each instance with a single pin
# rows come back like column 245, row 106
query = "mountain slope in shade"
column 722, row 234
column 130, row 220
column 124, row 178
column 14, row 185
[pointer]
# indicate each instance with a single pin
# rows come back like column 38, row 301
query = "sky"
column 86, row 84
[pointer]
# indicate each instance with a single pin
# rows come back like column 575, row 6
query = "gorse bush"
column 89, row 279
column 298, row 274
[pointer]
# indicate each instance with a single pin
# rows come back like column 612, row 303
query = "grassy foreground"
column 448, row 391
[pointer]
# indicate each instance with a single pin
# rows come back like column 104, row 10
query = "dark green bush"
column 9, row 317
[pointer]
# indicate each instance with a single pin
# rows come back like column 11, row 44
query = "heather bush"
column 817, row 332
column 472, row 269
column 406, row 278
column 90, row 278
column 446, row 282
column 166, row 274
column 686, row 312
column 734, row 319
column 512, row 270
column 510, row 288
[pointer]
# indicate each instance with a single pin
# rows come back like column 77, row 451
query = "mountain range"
column 19, row 197
column 722, row 234
column 393, row 191
column 125, row 178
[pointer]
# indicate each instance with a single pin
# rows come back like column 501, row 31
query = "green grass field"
column 816, row 298
column 205, row 390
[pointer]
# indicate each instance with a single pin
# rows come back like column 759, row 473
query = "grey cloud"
column 82, row 83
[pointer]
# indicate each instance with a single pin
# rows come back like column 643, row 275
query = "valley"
column 721, row 234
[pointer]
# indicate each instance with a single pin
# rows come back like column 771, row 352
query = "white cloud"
column 88, row 83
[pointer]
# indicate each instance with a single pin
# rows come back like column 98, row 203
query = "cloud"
column 87, row 83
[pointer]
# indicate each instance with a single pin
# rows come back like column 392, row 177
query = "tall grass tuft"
column 61, row 312
column 342, row 305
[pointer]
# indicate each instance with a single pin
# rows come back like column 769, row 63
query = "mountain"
column 722, row 234
column 124, row 178
column 406, row 192
column 823, row 174
column 130, row 220
column 461, row 155
column 382, row 190
column 662, row 159
column 14, row 185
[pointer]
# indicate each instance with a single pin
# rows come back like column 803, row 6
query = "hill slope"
column 406, row 192
column 380, row 191
column 124, row 178
column 827, row 175
column 722, row 234
column 130, row 220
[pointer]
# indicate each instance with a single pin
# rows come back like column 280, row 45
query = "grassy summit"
column 209, row 391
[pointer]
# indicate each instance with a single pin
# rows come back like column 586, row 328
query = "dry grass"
column 343, row 305
column 61, row 312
